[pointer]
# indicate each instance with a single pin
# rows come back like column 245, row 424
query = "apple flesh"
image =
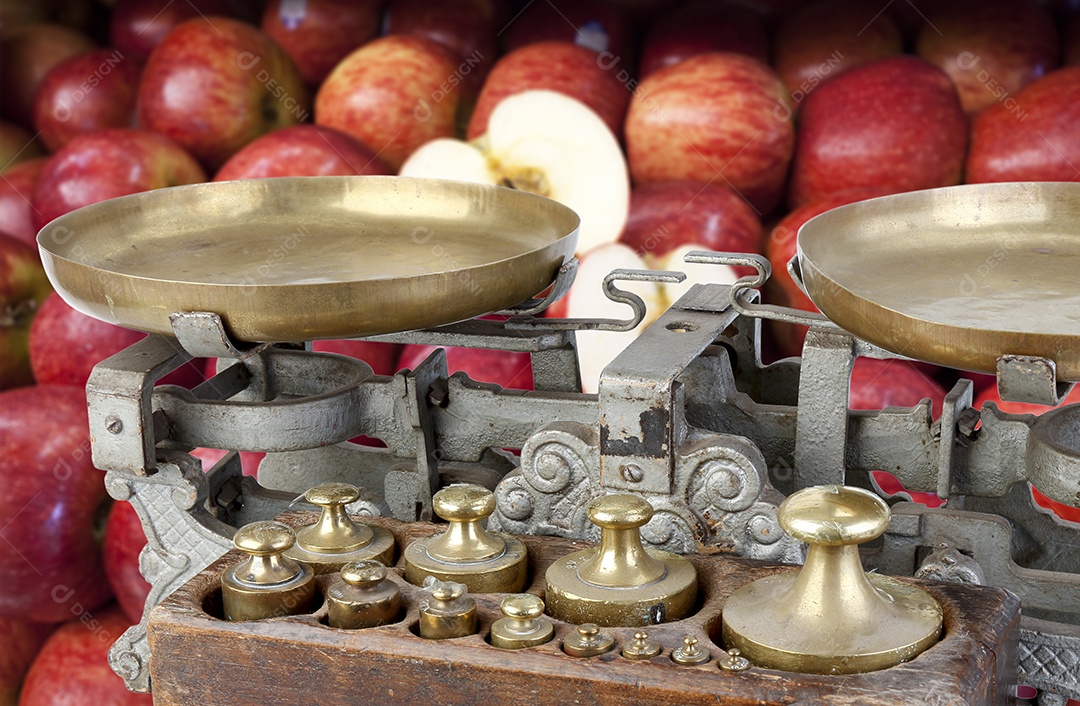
column 990, row 50
column 136, row 27
column 27, row 53
column 51, row 509
column 896, row 123
column 88, row 92
column 302, row 150
column 22, row 641
column 393, row 95
column 712, row 117
column 506, row 368
column 566, row 68
column 703, row 27
column 73, row 665
column 16, row 146
column 1032, row 138
column 16, row 190
column 317, row 34
column 237, row 80
column 106, row 164
column 124, row 541
column 23, row 289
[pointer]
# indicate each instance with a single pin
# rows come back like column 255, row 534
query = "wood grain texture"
column 201, row 660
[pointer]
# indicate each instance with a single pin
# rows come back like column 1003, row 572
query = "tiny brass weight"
column 641, row 647
column 267, row 584
column 588, row 641
column 448, row 612
column 523, row 623
column 486, row 562
column 335, row 540
column 363, row 597
column 621, row 583
column 830, row 617
column 689, row 653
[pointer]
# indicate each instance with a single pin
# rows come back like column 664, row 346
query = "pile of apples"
column 668, row 126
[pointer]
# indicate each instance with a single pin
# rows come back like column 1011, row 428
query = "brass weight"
column 523, row 623
column 335, row 540
column 620, row 583
column 830, row 617
column 267, row 584
column 486, row 562
column 363, row 597
column 448, row 612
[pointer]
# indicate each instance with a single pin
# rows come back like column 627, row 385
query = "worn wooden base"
column 201, row 660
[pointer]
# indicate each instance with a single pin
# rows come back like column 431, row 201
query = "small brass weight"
column 335, row 540
column 621, row 583
column 830, row 617
column 267, row 584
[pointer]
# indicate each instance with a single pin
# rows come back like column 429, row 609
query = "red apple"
column 780, row 247
column 249, row 460
column 896, row 123
column 702, row 27
column 555, row 66
column 877, row 384
column 512, row 370
column 317, row 34
column 124, row 541
column 23, row 289
column 51, row 510
column 215, row 84
column 392, row 94
column 382, row 357
column 137, row 26
column 819, row 40
column 73, row 665
column 601, row 25
column 667, row 214
column 1032, row 137
column 16, row 190
column 22, row 640
column 712, row 117
column 302, row 150
column 106, row 164
column 16, row 146
column 65, row 345
column 990, row 50
column 27, row 53
column 88, row 92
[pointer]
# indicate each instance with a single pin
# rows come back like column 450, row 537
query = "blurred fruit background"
column 669, row 125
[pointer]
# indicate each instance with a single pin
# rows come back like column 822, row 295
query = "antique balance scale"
column 686, row 417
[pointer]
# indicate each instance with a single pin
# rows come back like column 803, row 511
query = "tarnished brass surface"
column 523, row 623
column 486, row 562
column 830, row 617
column 303, row 258
column 620, row 583
column 956, row 276
column 449, row 612
column 690, row 653
column 335, row 539
column 588, row 641
column 641, row 647
column 363, row 597
column 733, row 661
column 267, row 584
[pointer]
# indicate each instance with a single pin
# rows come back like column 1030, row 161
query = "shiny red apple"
column 505, row 368
column 84, row 93
column 601, row 25
column 382, row 357
column 991, row 49
column 23, row 289
column 27, row 53
column 896, row 123
column 214, row 84
column 124, row 541
column 21, row 643
column 819, row 40
column 877, row 384
column 302, row 150
column 563, row 67
column 137, row 26
column 16, row 146
column 1031, row 138
column 318, row 34
column 52, row 507
column 702, row 27
column 73, row 665
column 16, row 190
column 107, row 164
column 712, row 117
column 392, row 94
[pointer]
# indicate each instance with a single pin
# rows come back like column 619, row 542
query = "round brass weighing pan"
column 304, row 258
column 956, row 276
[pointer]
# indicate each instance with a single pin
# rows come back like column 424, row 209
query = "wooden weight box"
column 198, row 659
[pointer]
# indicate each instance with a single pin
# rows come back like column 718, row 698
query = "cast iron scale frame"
column 687, row 416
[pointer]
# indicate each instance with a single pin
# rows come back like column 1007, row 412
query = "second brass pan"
column 304, row 258
column 956, row 276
